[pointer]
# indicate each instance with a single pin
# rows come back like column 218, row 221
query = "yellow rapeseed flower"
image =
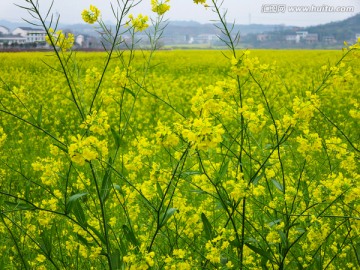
column 139, row 23
column 90, row 15
column 202, row 2
column 160, row 7
column 41, row 258
column 60, row 40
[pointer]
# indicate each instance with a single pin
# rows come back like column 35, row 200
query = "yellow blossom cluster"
column 165, row 136
column 60, row 40
column 195, row 157
column 218, row 246
column 309, row 143
column 202, row 133
column 89, row 148
column 160, row 7
column 92, row 76
column 96, row 123
column 355, row 111
column 90, row 15
column 120, row 78
column 139, row 23
column 50, row 168
column 202, row 2
column 143, row 260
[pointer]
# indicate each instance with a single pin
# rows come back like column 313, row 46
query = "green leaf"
column 83, row 240
column 130, row 92
column 98, row 234
column 223, row 170
column 118, row 188
column 168, row 214
column 259, row 251
column 190, row 173
column 39, row 116
column 274, row 222
column 300, row 230
column 62, row 148
column 283, row 238
column 73, row 205
column 224, row 260
column 277, row 185
column 116, row 137
column 46, row 243
column 207, row 227
column 79, row 213
column 129, row 234
column 122, row 246
column 106, row 182
column 235, row 243
column 159, row 190
column 115, row 259
column 305, row 192
column 74, row 198
column 357, row 251
column 268, row 146
column 263, row 263
column 198, row 191
column 255, row 181
column 20, row 206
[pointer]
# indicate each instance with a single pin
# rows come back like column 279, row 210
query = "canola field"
column 190, row 161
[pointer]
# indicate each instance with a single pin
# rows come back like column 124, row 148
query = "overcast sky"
column 243, row 11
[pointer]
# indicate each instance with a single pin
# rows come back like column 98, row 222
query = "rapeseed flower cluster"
column 60, row 40
column 355, row 111
column 202, row 134
column 180, row 163
column 91, row 15
column 139, row 23
column 96, row 123
column 202, row 2
column 120, row 78
column 92, row 76
column 89, row 148
column 50, row 168
column 142, row 260
column 165, row 136
column 160, row 7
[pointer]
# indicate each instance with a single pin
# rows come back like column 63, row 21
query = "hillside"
column 341, row 30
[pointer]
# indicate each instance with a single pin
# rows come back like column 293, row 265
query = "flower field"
column 190, row 174
column 136, row 158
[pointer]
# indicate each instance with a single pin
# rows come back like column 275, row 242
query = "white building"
column 4, row 30
column 292, row 38
column 31, row 34
column 312, row 38
column 80, row 40
column 206, row 38
column 11, row 39
column 302, row 34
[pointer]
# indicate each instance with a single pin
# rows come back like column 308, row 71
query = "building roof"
column 8, row 37
column 30, row 29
